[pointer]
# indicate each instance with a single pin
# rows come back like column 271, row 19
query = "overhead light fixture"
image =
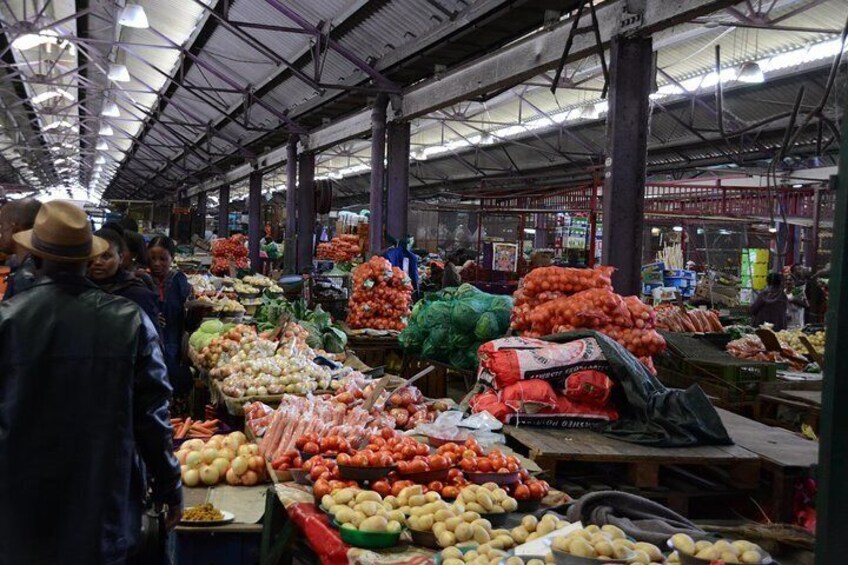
column 57, row 125
column 797, row 186
column 50, row 94
column 32, row 40
column 133, row 15
column 106, row 130
column 750, row 72
column 110, row 110
column 655, row 231
column 678, row 229
column 118, row 73
column 589, row 112
column 772, row 229
column 101, row 146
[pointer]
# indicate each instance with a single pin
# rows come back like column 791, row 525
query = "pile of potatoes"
column 730, row 552
column 606, row 542
column 452, row 525
column 488, row 498
column 362, row 510
column 532, row 527
column 411, row 500
column 481, row 555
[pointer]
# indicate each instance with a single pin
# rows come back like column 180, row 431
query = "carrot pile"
column 675, row 319
column 186, row 428
column 548, row 283
column 343, row 247
column 381, row 297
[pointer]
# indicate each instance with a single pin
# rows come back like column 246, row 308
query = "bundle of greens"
column 323, row 332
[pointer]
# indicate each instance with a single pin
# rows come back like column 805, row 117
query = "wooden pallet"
column 550, row 448
column 790, row 409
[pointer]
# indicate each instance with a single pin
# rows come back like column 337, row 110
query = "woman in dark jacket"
column 106, row 271
column 173, row 291
column 770, row 305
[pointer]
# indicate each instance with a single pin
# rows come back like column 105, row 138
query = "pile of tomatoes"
column 424, row 463
column 291, row 459
column 331, row 445
column 366, row 458
column 493, row 462
column 400, row 447
column 394, row 483
column 529, row 488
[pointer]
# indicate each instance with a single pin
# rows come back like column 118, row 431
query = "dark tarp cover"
column 650, row 413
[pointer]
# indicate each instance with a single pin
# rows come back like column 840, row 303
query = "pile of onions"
column 549, row 283
column 381, row 297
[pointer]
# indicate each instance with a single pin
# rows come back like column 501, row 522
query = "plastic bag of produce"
column 487, row 327
column 589, row 387
column 464, row 290
column 501, row 307
column 437, row 314
column 436, row 345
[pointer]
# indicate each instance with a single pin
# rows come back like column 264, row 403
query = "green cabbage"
column 212, row 327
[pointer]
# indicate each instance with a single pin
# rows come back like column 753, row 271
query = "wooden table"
column 813, row 397
column 785, row 456
column 802, row 407
column 548, row 447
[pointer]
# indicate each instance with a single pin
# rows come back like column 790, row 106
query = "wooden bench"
column 785, row 456
column 549, row 447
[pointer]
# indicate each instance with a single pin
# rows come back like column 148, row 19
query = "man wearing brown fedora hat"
column 83, row 395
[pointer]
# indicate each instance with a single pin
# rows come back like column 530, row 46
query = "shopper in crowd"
column 17, row 216
column 83, row 401
column 106, row 271
column 795, row 287
column 770, row 305
column 134, row 261
column 173, row 291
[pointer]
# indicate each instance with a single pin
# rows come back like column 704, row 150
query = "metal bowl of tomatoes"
column 422, row 469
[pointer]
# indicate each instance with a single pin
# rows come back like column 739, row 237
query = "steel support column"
column 378, row 154
column 397, row 196
column 626, row 161
column 224, row 211
column 540, row 238
column 832, row 519
column 201, row 213
column 290, row 251
column 254, row 220
column 305, row 211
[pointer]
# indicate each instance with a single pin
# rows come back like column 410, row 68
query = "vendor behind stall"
column 770, row 305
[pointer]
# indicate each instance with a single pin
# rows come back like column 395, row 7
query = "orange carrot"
column 184, row 429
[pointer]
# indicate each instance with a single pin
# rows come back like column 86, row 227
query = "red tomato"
column 454, row 473
column 408, row 452
column 379, row 441
column 436, row 486
column 497, row 461
column 320, row 488
column 343, row 445
column 297, row 462
column 512, row 467
column 381, row 487
column 484, row 465
column 397, row 487
column 317, row 471
column 387, row 433
column 417, row 466
column 373, row 459
column 359, row 460
column 503, row 470
column 512, row 459
column 522, row 492
column 311, row 448
column 438, row 462
column 450, row 492
column 536, row 491
column 384, row 459
column 421, row 449
column 343, row 459
column 468, row 464
column 468, row 454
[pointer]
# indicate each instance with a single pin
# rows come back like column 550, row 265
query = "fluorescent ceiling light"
column 750, row 72
column 101, row 145
column 678, row 228
column 50, row 94
column 106, row 130
column 772, row 229
column 797, row 186
column 100, row 160
column 133, row 15
column 32, row 40
column 57, row 125
column 655, row 231
column 118, row 73
column 110, row 109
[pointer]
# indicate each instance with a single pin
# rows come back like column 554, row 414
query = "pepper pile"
column 381, row 297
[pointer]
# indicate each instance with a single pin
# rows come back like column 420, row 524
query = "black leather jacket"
column 83, row 394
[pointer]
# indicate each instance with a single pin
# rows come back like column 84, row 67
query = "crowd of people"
column 790, row 300
column 90, row 358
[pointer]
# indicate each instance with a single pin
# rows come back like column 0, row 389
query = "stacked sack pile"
column 450, row 325
column 381, row 297
column 560, row 299
column 341, row 248
column 540, row 383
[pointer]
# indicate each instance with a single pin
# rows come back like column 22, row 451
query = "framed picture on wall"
column 505, row 257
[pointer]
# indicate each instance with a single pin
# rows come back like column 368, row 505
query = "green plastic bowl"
column 368, row 540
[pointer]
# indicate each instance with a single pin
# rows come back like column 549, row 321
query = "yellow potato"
column 368, row 495
column 614, row 531
column 499, row 495
column 369, row 508
column 425, row 522
column 470, row 556
column 470, row 516
column 592, row 529
column 529, row 522
column 702, row 545
column 533, row 535
column 708, row 553
column 653, row 551
column 509, row 504
column 544, row 527
column 358, row 518
column 581, row 548
column 481, row 535
column 641, row 557
column 561, row 543
column 374, row 524
column 514, row 561
column 432, row 496
column 442, row 515
column 475, row 507
column 438, row 528
column 519, row 534
column 604, row 548
column 484, row 499
column 392, row 502
column 417, row 500
column 446, row 539
column 684, row 543
column 463, row 532
column 729, row 557
column 505, row 541
column 453, row 561
column 344, row 495
column 750, row 556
